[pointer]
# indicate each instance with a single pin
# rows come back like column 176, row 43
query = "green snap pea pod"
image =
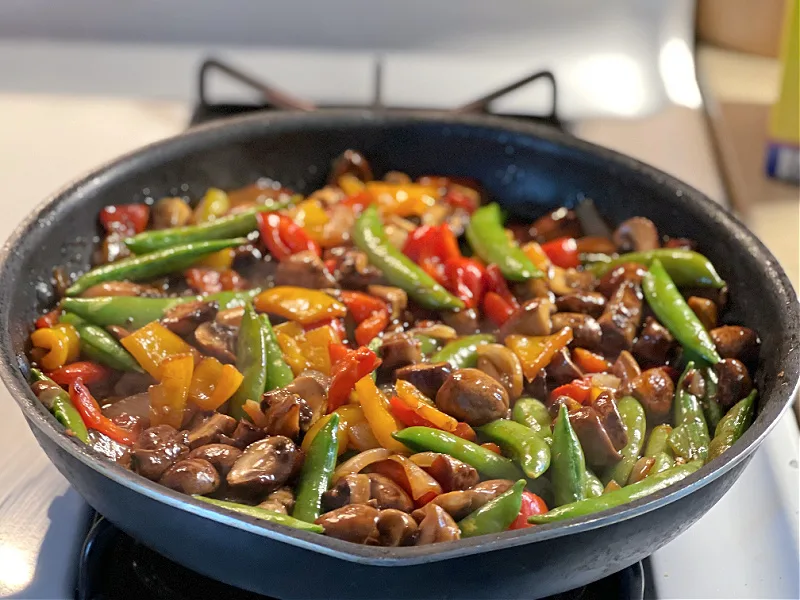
column 263, row 513
column 733, row 425
column 231, row 226
column 496, row 515
column 134, row 312
column 658, row 441
column 399, row 270
column 712, row 410
column 685, row 267
column 618, row 497
column 567, row 464
column 489, row 464
column 251, row 361
column 534, row 414
column 488, row 239
column 428, row 345
column 317, row 470
column 662, row 462
column 155, row 264
column 463, row 352
column 594, row 487
column 671, row 309
column 524, row 446
column 279, row 374
column 57, row 401
column 635, row 423
column 101, row 346
column 690, row 437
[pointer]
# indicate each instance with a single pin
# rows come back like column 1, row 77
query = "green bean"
column 58, row 402
column 279, row 374
column 263, row 513
column 101, row 346
column 658, row 441
column 251, row 361
column 690, row 437
column 567, row 464
column 733, row 425
column 594, row 487
column 711, row 408
column 685, row 267
column 317, row 469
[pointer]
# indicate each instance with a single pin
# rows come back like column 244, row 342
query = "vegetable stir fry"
column 391, row 362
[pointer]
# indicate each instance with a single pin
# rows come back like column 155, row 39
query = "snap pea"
column 251, row 361
column 711, row 408
column 399, row 270
column 658, row 441
column 231, row 226
column 671, row 309
column 101, row 346
column 594, row 487
column 690, row 437
column 618, row 497
column 496, row 515
column 279, row 374
column 317, row 470
column 524, row 446
column 685, row 267
column 427, row 344
column 733, row 425
column 155, row 264
column 534, row 414
column 635, row 423
column 567, row 464
column 463, row 352
column 135, row 312
column 57, row 401
column 263, row 513
column 489, row 241
column 489, row 464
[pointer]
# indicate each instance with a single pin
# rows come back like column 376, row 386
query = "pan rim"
column 195, row 137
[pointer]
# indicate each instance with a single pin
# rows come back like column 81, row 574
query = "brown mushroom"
column 473, row 397
column 733, row 383
column 637, row 234
column 156, row 449
column 705, row 309
column 353, row 269
column 606, row 407
column 503, row 365
column 396, row 298
column 586, row 332
column 621, row 318
column 464, row 321
column 568, row 281
column 312, row 387
column 191, row 476
column 532, row 318
column 399, row 350
column 109, row 448
column 353, row 488
column 230, row 317
column 654, row 345
column 595, row 441
column 285, row 413
column 265, row 465
column 589, row 303
column 459, row 503
column 633, row 272
column 171, row 212
column 209, row 429
column 245, row 434
column 395, row 528
column 217, row 340
column 452, row 474
column 120, row 288
column 555, row 406
column 222, row 456
column 627, row 369
column 426, row 377
column 350, row 162
column 388, row 494
column 561, row 369
column 561, row 222
column 305, row 269
column 280, row 501
column 737, row 342
column 436, row 526
column 355, row 523
column 655, row 390
column 184, row 318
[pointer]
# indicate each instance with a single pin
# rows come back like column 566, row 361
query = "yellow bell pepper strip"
column 168, row 398
column 349, row 415
column 534, row 251
column 311, row 216
column 416, row 401
column 292, row 353
column 56, row 343
column 73, row 340
column 213, row 383
column 279, row 374
column 154, row 343
column 251, row 361
column 315, row 348
column 535, row 352
column 403, row 199
column 290, row 328
column 299, row 304
column 381, row 421
column 213, row 205
column 350, row 184
column 219, row 261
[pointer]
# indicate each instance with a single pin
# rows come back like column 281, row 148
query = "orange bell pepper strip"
column 536, row 352
column 371, row 314
column 403, row 199
column 578, row 389
column 168, row 398
column 349, row 415
column 589, row 362
column 87, row 371
column 93, row 417
column 299, row 304
column 406, row 415
column 154, row 343
column 354, row 366
column 381, row 421
column 213, row 383
column 351, row 185
column 56, row 342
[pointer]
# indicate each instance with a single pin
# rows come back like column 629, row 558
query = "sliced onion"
column 412, row 478
column 360, row 461
column 360, row 437
column 437, row 332
column 423, row 459
column 606, row 381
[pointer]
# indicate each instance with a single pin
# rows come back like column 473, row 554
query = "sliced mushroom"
column 561, row 370
column 532, row 318
column 222, row 456
column 184, row 318
column 112, row 248
column 209, row 429
column 350, row 162
column 388, row 494
column 459, row 503
column 595, row 441
column 265, row 465
column 502, row 364
column 561, row 222
column 280, row 501
column 231, row 317
column 637, row 234
column 426, row 377
column 396, row 298
column 312, row 387
column 217, row 340
column 285, row 413
column 245, row 434
column 633, row 272
column 191, row 476
column 120, row 288
column 353, row 269
column 553, row 407
column 355, row 523
column 395, row 528
column 109, row 448
column 606, row 407
column 305, row 269
column 473, row 397
column 736, row 342
column 399, row 350
column 655, row 390
column 436, row 526
column 627, row 369
column 654, row 345
column 452, row 474
column 354, row 488
column 464, row 321
column 136, row 406
column 589, row 303
column 586, row 331
column 568, row 281
column 171, row 212
column 705, row 309
column 156, row 449
column 733, row 383
column 621, row 318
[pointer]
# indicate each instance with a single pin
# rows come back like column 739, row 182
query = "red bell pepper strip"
column 447, row 246
column 203, row 280
column 497, row 308
column 90, row 412
column 531, row 505
column 48, row 319
column 283, row 237
column 578, row 390
column 358, row 202
column 495, row 282
column 232, row 281
column 345, row 373
column 370, row 327
column 126, row 219
column 337, row 352
column 562, row 252
column 458, row 199
column 371, row 314
column 87, row 371
column 465, row 278
column 420, row 243
column 589, row 362
column 406, row 415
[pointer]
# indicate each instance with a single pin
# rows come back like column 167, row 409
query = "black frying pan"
column 527, row 168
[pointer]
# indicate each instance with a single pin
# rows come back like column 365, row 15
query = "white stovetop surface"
column 746, row 546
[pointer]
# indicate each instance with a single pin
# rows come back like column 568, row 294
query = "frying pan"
column 528, row 168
